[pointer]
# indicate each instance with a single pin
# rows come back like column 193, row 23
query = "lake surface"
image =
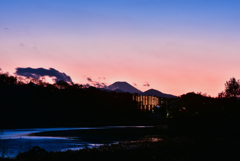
column 15, row 141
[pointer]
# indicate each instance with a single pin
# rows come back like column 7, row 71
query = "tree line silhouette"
column 31, row 102
column 197, row 104
column 202, row 115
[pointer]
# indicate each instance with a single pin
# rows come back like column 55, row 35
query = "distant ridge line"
column 126, row 87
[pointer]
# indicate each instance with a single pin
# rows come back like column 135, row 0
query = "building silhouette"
column 147, row 103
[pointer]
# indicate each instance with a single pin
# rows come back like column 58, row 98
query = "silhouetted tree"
column 62, row 84
column 6, row 79
column 77, row 86
column 232, row 88
column 221, row 95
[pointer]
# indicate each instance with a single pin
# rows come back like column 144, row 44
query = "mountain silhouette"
column 157, row 93
column 123, row 86
column 118, row 91
column 126, row 87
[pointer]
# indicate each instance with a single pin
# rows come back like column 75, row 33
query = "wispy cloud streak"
column 146, row 84
column 96, row 84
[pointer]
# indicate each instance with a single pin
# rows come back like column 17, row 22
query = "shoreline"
column 105, row 134
column 99, row 123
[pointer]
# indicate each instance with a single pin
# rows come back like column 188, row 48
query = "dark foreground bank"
column 174, row 148
column 183, row 139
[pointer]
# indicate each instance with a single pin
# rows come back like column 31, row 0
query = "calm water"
column 15, row 141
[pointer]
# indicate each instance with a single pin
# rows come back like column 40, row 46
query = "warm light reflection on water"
column 148, row 139
column 152, row 138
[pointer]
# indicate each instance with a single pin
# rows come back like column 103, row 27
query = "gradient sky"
column 177, row 46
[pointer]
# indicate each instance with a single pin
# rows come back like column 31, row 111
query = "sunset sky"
column 176, row 46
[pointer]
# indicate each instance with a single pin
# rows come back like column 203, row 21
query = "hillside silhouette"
column 126, row 87
column 157, row 93
column 123, row 86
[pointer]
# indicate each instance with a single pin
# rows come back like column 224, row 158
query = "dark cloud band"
column 37, row 73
